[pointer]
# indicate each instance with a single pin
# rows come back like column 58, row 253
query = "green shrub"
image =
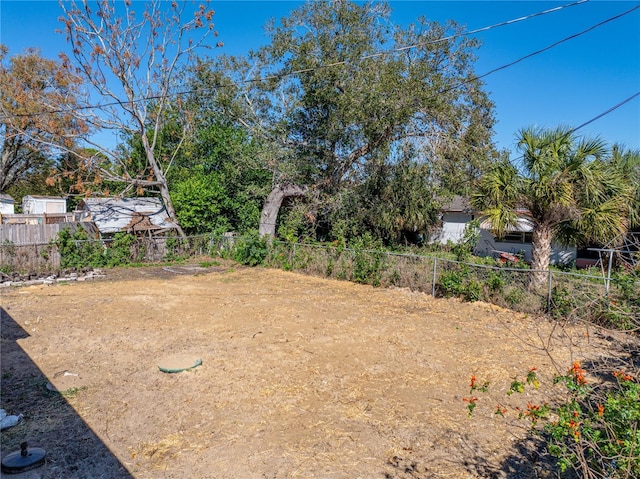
column 593, row 430
column 495, row 281
column 597, row 431
column 563, row 302
column 119, row 250
column 78, row 251
column 368, row 261
column 514, row 296
column 451, row 283
column 472, row 291
column 251, row 250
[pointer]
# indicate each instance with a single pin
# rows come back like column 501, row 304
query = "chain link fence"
column 611, row 302
column 586, row 296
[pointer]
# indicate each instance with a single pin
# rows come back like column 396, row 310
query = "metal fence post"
column 435, row 272
column 550, row 292
column 293, row 258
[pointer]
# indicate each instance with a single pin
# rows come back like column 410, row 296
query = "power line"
column 595, row 118
column 606, row 112
column 340, row 63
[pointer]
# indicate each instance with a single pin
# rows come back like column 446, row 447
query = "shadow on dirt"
column 528, row 458
column 73, row 450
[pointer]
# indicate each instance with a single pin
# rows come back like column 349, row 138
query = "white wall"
column 453, row 224
column 6, row 208
column 38, row 206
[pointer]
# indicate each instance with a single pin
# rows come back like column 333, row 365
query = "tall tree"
column 340, row 85
column 565, row 187
column 35, row 95
column 628, row 161
column 132, row 61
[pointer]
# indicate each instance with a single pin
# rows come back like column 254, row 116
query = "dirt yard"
column 301, row 377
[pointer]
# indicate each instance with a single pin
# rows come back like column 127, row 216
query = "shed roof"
column 43, row 197
column 112, row 215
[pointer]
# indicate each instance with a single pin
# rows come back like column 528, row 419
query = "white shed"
column 7, row 205
column 139, row 215
column 37, row 205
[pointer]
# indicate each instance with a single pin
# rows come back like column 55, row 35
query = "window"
column 516, row 237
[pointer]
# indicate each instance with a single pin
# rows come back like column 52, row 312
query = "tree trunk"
column 162, row 182
column 540, row 255
column 272, row 206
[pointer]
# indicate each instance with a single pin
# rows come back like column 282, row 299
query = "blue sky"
column 568, row 85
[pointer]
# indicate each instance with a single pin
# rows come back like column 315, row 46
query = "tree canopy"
column 339, row 86
column 566, row 187
column 132, row 62
column 36, row 95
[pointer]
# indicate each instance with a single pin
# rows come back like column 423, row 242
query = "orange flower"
column 473, row 381
column 623, row 376
column 600, row 410
column 578, row 373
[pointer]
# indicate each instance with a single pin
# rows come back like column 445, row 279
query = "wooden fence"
column 28, row 247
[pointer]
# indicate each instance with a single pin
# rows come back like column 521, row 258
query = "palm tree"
column 629, row 162
column 567, row 188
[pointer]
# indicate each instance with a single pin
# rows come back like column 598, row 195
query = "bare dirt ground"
column 301, row 377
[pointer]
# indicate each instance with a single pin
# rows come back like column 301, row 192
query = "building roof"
column 4, row 198
column 42, row 197
column 458, row 204
column 111, row 215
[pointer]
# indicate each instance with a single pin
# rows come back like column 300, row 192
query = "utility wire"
column 340, row 63
column 606, row 112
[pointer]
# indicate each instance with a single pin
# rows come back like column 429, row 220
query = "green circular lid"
column 177, row 363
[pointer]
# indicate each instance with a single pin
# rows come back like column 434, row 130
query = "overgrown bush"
column 563, row 302
column 77, row 250
column 251, row 250
column 594, row 431
column 369, row 261
column 451, row 283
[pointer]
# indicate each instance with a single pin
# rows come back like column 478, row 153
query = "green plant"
column 464, row 248
column 472, row 291
column 594, row 430
column 119, row 249
column 495, row 281
column 77, row 250
column 562, row 302
column 251, row 250
column 451, row 283
column 207, row 264
column 368, row 261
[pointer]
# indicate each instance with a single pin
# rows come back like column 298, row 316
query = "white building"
column 458, row 213
column 7, row 205
column 37, row 205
